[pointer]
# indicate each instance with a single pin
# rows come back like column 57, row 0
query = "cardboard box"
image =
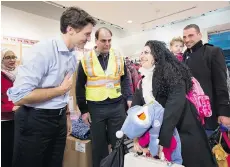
column 78, row 153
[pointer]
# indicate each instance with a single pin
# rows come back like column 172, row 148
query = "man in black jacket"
column 108, row 113
column 207, row 64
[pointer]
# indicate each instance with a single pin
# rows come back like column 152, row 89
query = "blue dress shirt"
column 46, row 65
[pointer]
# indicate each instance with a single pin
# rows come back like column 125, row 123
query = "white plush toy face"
column 137, row 122
column 142, row 116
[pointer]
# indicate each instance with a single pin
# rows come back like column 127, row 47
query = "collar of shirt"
column 196, row 47
column 61, row 46
column 100, row 54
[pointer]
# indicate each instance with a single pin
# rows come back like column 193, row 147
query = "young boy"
column 176, row 47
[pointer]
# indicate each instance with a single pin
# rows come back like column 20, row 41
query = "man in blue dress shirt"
column 42, row 90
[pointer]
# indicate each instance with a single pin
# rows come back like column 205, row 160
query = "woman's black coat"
column 181, row 114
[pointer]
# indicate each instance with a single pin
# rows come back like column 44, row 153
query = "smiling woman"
column 146, row 58
column 8, row 74
column 168, row 81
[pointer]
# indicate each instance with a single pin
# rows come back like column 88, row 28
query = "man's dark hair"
column 102, row 28
column 196, row 27
column 76, row 18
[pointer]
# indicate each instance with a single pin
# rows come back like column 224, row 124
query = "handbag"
column 134, row 160
column 220, row 154
column 116, row 157
column 214, row 139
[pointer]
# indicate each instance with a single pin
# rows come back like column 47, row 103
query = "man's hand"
column 224, row 121
column 86, row 118
column 129, row 103
column 67, row 83
column 69, row 126
column 15, row 108
column 44, row 94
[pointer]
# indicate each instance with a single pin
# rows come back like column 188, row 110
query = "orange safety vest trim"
column 103, row 84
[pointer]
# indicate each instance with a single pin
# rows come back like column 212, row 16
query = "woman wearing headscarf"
column 168, row 81
column 8, row 75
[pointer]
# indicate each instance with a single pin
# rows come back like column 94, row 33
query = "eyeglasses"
column 10, row 57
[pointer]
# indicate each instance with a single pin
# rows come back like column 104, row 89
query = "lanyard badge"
column 110, row 85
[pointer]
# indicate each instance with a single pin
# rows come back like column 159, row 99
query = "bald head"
column 103, row 37
column 103, row 29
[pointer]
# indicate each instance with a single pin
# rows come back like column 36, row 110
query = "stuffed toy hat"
column 147, row 120
column 141, row 118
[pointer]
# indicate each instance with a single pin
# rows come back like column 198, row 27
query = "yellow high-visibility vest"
column 102, row 84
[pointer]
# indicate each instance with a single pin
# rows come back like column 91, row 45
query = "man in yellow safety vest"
column 103, row 92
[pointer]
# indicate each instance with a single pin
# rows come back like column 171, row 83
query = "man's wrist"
column 60, row 90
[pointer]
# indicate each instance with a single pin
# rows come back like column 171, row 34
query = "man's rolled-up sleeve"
column 29, row 75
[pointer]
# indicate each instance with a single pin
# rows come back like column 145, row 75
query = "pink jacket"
column 179, row 57
column 145, row 139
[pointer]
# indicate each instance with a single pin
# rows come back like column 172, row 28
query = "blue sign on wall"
column 222, row 40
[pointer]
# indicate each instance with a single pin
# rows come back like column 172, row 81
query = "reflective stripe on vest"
column 102, row 83
column 88, row 61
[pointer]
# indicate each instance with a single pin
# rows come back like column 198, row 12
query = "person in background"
column 41, row 89
column 134, row 73
column 103, row 92
column 176, row 47
column 207, row 64
column 137, row 66
column 168, row 81
column 8, row 75
column 130, row 80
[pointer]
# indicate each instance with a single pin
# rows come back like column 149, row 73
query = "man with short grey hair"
column 103, row 92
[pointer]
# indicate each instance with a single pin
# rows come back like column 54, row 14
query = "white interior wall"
column 132, row 45
column 16, row 23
